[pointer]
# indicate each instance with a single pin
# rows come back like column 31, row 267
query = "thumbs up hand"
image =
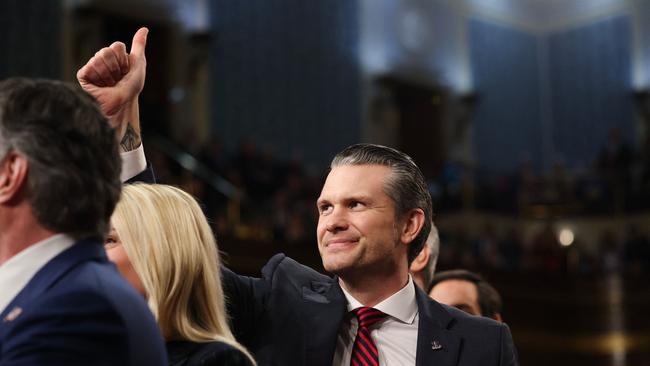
column 115, row 79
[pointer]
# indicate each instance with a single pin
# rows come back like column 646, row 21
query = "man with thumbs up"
column 374, row 216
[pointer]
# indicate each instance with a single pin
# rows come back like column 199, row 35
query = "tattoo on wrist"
column 131, row 139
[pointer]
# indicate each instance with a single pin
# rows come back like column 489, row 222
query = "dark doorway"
column 421, row 109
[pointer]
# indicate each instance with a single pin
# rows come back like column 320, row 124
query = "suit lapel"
column 436, row 344
column 51, row 273
column 326, row 307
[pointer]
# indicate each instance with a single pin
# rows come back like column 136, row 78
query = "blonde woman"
column 161, row 242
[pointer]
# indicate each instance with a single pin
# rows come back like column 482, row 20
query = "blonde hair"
column 174, row 252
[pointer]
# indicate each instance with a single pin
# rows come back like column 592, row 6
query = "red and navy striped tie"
column 364, row 351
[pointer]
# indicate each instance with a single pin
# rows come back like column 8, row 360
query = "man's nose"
column 337, row 220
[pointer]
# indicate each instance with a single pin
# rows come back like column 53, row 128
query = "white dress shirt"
column 19, row 269
column 133, row 163
column 396, row 336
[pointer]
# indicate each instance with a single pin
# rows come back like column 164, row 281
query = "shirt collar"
column 401, row 305
column 16, row 273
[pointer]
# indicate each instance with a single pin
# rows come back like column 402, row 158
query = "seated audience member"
column 61, row 301
column 466, row 291
column 162, row 243
column 424, row 265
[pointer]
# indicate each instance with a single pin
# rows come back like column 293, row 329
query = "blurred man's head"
column 59, row 160
column 466, row 291
column 424, row 265
column 375, row 212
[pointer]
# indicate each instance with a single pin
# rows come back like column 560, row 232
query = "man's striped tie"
column 364, row 351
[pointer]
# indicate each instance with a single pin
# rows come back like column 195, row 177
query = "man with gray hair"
column 424, row 265
column 61, row 301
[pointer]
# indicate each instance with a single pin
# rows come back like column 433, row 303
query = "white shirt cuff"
column 133, row 163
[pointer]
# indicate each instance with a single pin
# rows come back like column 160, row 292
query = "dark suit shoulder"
column 486, row 334
column 184, row 353
column 88, row 315
column 107, row 286
column 448, row 317
column 484, row 340
column 287, row 270
column 67, row 327
column 465, row 320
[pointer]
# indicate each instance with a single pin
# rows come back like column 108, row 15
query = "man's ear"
column 421, row 260
column 413, row 223
column 13, row 176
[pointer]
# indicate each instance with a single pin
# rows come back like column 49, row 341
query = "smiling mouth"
column 340, row 243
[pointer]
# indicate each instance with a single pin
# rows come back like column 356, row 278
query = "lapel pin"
column 435, row 345
column 13, row 314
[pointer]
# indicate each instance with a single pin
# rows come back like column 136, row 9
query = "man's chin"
column 336, row 266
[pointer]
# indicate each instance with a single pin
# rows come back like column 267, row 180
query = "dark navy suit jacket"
column 292, row 316
column 78, row 310
column 185, row 353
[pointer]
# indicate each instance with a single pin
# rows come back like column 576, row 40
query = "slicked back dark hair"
column 73, row 180
column 406, row 185
column 489, row 299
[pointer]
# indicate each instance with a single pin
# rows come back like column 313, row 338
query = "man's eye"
column 355, row 204
column 323, row 209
